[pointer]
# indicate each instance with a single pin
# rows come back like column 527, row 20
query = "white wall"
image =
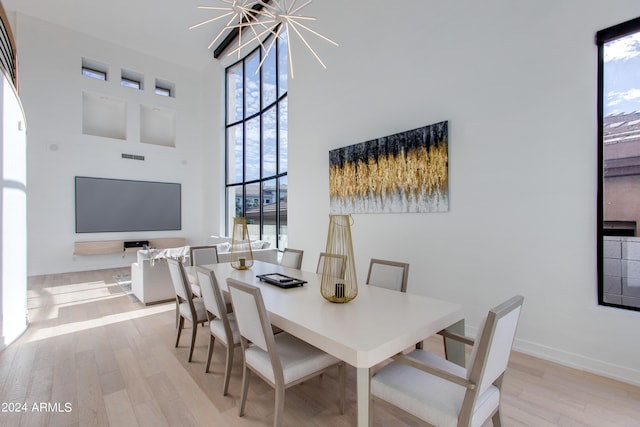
column 51, row 88
column 13, row 207
column 517, row 82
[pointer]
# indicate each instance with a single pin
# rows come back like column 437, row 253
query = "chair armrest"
column 457, row 337
column 434, row 371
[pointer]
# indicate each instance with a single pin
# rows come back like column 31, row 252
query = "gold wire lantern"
column 241, row 256
column 339, row 283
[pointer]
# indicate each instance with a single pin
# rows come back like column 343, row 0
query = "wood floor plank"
column 120, row 412
column 114, row 361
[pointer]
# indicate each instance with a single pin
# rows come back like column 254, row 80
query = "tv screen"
column 111, row 205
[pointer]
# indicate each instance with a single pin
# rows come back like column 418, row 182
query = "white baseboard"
column 573, row 360
column 577, row 361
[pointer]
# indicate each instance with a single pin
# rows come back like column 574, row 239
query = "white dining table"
column 376, row 325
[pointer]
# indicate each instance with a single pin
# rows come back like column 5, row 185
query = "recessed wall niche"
column 104, row 116
column 157, row 126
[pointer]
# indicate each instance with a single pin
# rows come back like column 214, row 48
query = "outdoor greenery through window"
column 619, row 165
column 256, row 143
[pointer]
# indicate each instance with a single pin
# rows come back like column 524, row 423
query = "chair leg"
column 497, row 419
column 194, row 325
column 420, row 345
column 370, row 412
column 279, row 407
column 245, row 387
column 177, row 313
column 342, row 370
column 212, row 341
column 227, row 369
column 180, row 326
column 370, row 399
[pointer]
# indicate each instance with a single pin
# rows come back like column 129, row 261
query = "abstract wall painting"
column 403, row 173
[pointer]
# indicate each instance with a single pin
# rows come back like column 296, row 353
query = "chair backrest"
column 251, row 314
column 179, row 279
column 490, row 353
column 292, row 258
column 202, row 255
column 336, row 264
column 388, row 274
column 213, row 298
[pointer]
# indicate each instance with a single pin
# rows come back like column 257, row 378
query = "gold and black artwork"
column 405, row 172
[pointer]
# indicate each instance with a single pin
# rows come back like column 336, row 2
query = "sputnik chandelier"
column 280, row 18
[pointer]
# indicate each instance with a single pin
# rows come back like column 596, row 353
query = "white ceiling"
column 158, row 28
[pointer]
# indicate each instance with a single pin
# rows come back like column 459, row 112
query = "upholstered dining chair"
column 292, row 258
column 222, row 325
column 432, row 390
column 201, row 255
column 388, row 274
column 281, row 360
column 338, row 263
column 187, row 306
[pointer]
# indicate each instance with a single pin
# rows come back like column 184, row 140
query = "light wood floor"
column 91, row 356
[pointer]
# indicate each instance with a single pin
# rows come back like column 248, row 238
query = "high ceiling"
column 158, row 28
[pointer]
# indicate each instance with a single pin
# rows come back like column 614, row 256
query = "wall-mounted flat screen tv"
column 113, row 205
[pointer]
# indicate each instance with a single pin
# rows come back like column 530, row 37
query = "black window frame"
column 281, row 98
column 602, row 37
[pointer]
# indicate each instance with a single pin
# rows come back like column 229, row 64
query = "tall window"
column 256, row 142
column 619, row 165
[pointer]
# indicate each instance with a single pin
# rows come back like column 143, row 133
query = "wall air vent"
column 132, row 156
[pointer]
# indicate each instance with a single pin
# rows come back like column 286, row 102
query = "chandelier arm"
column 314, row 32
column 289, row 52
column 231, row 36
column 213, row 8
column 268, row 49
column 243, row 45
column 233, row 18
column 293, row 25
column 247, row 22
column 293, row 12
column 210, row 20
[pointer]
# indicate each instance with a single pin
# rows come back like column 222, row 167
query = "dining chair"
column 222, row 325
column 388, row 274
column 281, row 360
column 187, row 306
column 292, row 258
column 337, row 263
column 432, row 390
column 391, row 275
column 201, row 255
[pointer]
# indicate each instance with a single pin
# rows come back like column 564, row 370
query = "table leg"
column 363, row 382
column 455, row 349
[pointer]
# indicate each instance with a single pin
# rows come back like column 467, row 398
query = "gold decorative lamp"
column 241, row 256
column 339, row 283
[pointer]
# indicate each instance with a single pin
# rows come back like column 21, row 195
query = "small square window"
column 165, row 88
column 130, row 83
column 163, row 91
column 131, row 79
column 94, row 74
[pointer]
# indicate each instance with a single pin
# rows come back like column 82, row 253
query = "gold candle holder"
column 339, row 283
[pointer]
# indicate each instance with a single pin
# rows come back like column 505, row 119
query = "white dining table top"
column 374, row 326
